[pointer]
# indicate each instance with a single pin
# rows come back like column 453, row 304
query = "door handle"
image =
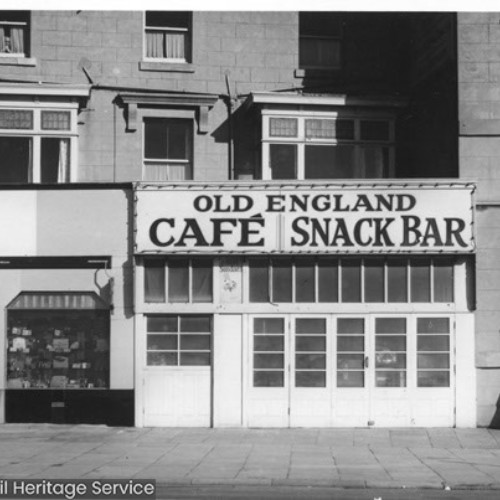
column 367, row 361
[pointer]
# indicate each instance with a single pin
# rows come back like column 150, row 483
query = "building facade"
column 249, row 219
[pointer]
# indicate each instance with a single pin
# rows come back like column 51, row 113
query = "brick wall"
column 479, row 122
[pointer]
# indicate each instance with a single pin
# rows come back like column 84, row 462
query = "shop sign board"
column 304, row 219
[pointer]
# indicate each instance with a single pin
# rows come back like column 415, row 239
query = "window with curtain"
column 321, row 147
column 35, row 146
column 168, row 36
column 14, row 33
column 168, row 149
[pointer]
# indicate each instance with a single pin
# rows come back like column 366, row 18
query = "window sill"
column 166, row 66
column 316, row 72
column 17, row 61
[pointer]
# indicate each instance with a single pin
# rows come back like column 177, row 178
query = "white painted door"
column 177, row 377
column 290, row 377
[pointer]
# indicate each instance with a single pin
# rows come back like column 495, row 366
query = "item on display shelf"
column 60, row 362
column 61, row 345
column 50, row 348
column 26, row 332
column 15, row 383
column 57, row 333
column 19, row 343
column 75, row 345
column 16, row 330
column 85, row 365
column 76, row 365
column 58, row 381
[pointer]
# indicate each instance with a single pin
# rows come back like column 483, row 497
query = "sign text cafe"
column 434, row 219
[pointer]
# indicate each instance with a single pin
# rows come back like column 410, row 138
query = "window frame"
column 37, row 133
column 188, row 48
column 301, row 141
column 168, row 117
column 166, row 272
column 321, row 36
column 26, row 34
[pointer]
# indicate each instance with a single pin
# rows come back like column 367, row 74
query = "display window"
column 58, row 341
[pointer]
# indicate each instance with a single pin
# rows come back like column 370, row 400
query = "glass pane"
column 350, row 379
column 178, row 139
column 310, row 361
column 202, row 281
column 195, row 359
column 54, row 160
column 328, row 278
column 390, row 325
column 390, row 343
column 374, row 130
column 16, row 119
column 162, row 323
column 420, row 281
column 310, row 325
column 283, row 161
column 268, row 360
column 390, row 378
column 433, row 379
column 268, row 325
column 373, row 162
column 310, row 379
column 154, row 281
column 350, row 325
column 433, row 343
column 15, row 159
column 268, row 379
column 269, row 343
column 310, row 343
column 350, row 343
column 329, row 162
column 195, row 342
column 259, row 280
column 304, row 281
column 196, row 324
column 350, row 361
column 351, row 280
column 178, row 280
column 329, row 129
column 282, row 280
column 374, row 280
column 397, row 281
column 283, row 127
column 162, row 342
column 162, row 358
column 155, row 138
column 56, row 120
column 433, row 361
column 390, row 360
column 443, row 282
column 433, row 325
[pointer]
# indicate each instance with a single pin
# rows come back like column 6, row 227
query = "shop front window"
column 351, row 280
column 58, row 341
column 178, row 280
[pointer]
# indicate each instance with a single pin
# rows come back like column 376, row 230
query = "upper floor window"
column 14, row 33
column 323, row 146
column 320, row 40
column 36, row 145
column 168, row 149
column 168, row 36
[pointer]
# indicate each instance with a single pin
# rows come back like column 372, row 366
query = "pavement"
column 339, row 458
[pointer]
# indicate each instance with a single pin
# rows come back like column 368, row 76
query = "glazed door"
column 290, row 382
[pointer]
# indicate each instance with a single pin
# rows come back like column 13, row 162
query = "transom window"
column 168, row 36
column 168, row 145
column 36, row 145
column 178, row 280
column 320, row 40
column 179, row 340
column 14, row 33
column 327, row 147
column 351, row 280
